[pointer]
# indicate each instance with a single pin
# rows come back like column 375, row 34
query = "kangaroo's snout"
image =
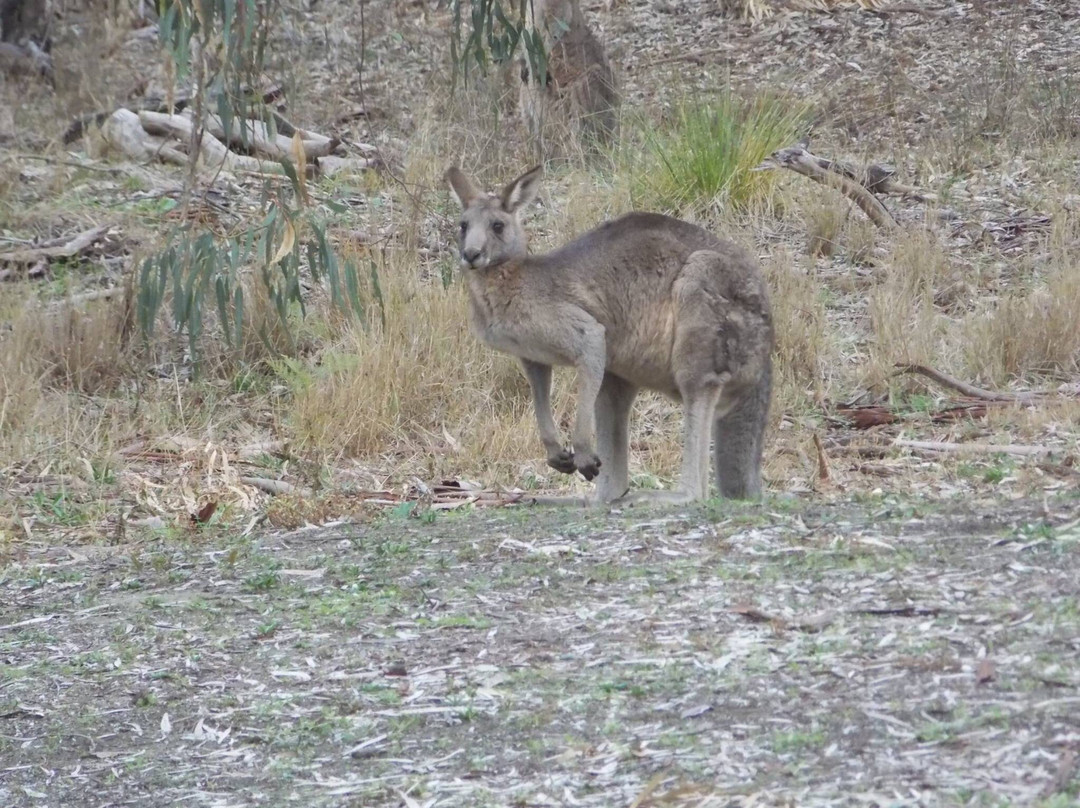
column 471, row 255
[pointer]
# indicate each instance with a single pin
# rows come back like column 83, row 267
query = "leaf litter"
column 742, row 655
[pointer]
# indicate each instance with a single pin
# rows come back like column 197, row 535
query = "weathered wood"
column 944, row 447
column 257, row 136
column 212, row 152
column 798, row 159
column 968, row 389
column 72, row 246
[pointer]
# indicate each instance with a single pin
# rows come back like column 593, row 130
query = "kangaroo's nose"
column 470, row 255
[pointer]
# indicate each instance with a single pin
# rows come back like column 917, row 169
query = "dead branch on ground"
column 968, row 389
column 37, row 258
column 256, row 136
column 148, row 135
column 798, row 159
column 945, row 447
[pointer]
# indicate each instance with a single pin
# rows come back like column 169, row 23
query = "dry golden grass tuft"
column 824, row 227
column 802, row 342
column 1028, row 333
column 57, row 350
column 906, row 325
column 420, row 387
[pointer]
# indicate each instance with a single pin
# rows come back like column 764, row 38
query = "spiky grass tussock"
column 702, row 160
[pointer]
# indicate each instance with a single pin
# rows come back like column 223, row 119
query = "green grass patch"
column 703, row 159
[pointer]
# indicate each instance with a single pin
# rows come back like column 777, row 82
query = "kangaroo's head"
column 490, row 231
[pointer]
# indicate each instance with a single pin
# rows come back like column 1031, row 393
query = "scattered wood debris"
column 969, row 390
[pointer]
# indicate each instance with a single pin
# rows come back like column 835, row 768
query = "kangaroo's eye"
column 464, row 227
column 497, row 228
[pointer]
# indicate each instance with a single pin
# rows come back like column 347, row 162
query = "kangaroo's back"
column 628, row 275
column 633, row 262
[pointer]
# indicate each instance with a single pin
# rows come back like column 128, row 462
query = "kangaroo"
column 578, row 90
column 643, row 301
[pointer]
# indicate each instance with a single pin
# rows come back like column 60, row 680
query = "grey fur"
column 644, row 301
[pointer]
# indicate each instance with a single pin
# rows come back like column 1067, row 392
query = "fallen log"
column 212, row 152
column 256, row 135
column 969, row 390
column 66, row 248
column 125, row 132
column 796, row 158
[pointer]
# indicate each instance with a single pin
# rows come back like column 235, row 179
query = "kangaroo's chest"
column 510, row 326
column 518, row 336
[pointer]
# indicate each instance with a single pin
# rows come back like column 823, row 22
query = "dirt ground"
column 904, row 635
column 883, row 652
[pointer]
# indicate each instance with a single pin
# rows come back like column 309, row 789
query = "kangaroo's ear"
column 461, row 186
column 522, row 191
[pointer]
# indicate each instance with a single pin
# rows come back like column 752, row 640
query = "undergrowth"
column 408, row 390
column 702, row 160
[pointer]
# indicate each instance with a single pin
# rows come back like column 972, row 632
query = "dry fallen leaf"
column 204, row 513
column 984, row 672
column 753, row 613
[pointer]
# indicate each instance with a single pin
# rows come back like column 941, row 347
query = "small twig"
column 29, row 622
column 275, row 487
column 822, row 460
column 967, row 389
column 690, row 56
column 74, row 246
column 42, row 158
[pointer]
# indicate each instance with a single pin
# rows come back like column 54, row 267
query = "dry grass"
column 824, row 226
column 419, row 395
column 906, row 324
column 802, row 340
column 1027, row 333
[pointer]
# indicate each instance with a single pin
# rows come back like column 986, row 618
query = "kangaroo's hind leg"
column 738, row 436
column 613, row 405
column 700, row 372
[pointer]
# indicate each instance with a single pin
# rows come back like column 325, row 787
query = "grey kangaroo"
column 644, row 301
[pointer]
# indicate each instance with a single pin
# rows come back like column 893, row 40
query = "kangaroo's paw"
column 588, row 464
column 562, row 461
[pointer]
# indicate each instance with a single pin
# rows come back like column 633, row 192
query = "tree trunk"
column 23, row 21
